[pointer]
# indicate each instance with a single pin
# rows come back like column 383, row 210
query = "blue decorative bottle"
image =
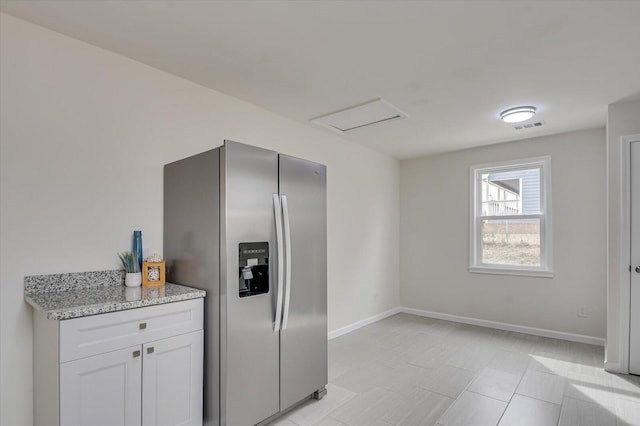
column 137, row 247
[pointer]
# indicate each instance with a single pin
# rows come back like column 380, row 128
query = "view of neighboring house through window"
column 511, row 217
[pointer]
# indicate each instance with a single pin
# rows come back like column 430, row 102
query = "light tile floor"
column 408, row 370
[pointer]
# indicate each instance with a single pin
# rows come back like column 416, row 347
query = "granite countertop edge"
column 80, row 294
column 113, row 306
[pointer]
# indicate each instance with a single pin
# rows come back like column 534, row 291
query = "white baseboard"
column 509, row 327
column 359, row 324
column 618, row 366
column 613, row 367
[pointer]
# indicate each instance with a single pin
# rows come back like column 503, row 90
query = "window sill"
column 509, row 271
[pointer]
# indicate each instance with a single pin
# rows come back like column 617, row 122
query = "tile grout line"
column 461, row 392
column 515, row 392
column 490, row 397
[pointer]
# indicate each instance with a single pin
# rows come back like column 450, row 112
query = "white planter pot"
column 133, row 279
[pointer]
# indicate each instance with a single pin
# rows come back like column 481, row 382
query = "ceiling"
column 451, row 66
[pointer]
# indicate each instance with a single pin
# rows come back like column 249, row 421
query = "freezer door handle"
column 280, row 246
column 287, row 257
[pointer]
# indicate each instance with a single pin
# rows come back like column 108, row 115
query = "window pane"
column 511, row 242
column 512, row 192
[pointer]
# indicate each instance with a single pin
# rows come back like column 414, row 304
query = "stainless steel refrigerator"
column 248, row 225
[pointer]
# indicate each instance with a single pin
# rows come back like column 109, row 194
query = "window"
column 511, row 218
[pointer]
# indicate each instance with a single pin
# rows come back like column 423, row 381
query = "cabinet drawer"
column 87, row 336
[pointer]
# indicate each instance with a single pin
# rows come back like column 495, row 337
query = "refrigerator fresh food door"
column 249, row 344
column 303, row 338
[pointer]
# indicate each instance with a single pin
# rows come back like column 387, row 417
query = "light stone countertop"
column 65, row 296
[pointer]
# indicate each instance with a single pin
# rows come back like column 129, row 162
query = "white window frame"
column 546, row 228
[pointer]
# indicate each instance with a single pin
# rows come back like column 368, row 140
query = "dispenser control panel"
column 253, row 265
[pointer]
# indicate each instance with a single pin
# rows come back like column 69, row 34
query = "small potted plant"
column 133, row 277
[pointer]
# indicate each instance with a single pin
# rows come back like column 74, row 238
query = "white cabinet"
column 137, row 367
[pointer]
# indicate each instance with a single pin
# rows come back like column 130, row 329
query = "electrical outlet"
column 582, row 311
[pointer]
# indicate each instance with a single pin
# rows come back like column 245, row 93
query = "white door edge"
column 625, row 250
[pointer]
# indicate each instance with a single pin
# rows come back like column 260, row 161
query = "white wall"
column 435, row 238
column 623, row 119
column 84, row 136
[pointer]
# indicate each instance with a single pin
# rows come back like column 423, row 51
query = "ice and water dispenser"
column 253, row 264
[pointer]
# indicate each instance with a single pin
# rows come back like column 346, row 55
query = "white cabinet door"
column 172, row 381
column 102, row 390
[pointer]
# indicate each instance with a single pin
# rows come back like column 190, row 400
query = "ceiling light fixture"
column 517, row 114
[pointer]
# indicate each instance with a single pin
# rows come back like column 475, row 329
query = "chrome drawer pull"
column 150, row 350
column 143, row 325
column 136, row 354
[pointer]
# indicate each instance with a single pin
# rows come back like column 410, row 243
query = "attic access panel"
column 356, row 117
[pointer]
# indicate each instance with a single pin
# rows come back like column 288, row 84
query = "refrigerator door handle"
column 287, row 274
column 280, row 247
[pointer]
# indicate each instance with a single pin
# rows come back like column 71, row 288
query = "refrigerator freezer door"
column 249, row 345
column 303, row 344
